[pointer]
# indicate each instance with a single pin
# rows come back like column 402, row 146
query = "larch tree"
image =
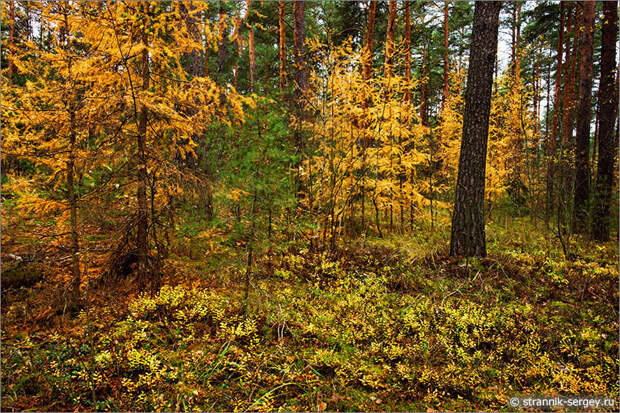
column 166, row 108
column 584, row 115
column 468, row 233
column 47, row 122
column 607, row 142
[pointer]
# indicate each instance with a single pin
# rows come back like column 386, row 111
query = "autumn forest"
column 308, row 205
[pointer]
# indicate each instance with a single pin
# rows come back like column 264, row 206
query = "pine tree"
column 468, row 234
column 607, row 142
column 584, row 114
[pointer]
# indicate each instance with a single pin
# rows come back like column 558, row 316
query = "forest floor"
column 387, row 324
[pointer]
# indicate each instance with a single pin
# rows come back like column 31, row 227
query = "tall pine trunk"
column 568, row 116
column 607, row 144
column 584, row 115
column 252, row 53
column 468, row 234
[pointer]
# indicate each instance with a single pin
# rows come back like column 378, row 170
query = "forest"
column 308, row 205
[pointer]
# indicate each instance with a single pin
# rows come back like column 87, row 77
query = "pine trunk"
column 584, row 115
column 389, row 39
column 252, row 58
column 607, row 144
column 370, row 29
column 568, row 117
column 222, row 52
column 468, row 234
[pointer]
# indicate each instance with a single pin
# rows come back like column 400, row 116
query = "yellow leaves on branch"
column 84, row 94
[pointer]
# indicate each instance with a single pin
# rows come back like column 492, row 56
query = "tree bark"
column 367, row 66
column 446, row 51
column 408, row 53
column 252, row 58
column 370, row 29
column 222, row 52
column 299, row 38
column 568, row 115
column 282, row 43
column 142, row 221
column 582, row 150
column 607, row 144
column 424, row 90
column 70, row 181
column 192, row 62
column 11, row 39
column 468, row 233
column 554, row 137
column 389, row 39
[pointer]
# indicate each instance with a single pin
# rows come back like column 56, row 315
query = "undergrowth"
column 385, row 324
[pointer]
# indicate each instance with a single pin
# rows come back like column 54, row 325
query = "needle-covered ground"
column 389, row 324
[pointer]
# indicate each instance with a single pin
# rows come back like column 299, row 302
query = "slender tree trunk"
column 207, row 45
column 446, row 53
column 11, row 39
column 370, row 31
column 408, row 56
column 70, row 181
column 595, row 142
column 513, row 38
column 389, row 69
column 568, row 118
column 554, row 137
column 424, row 89
column 222, row 52
column 582, row 150
column 142, row 221
column 468, row 234
column 252, row 58
column 192, row 62
column 408, row 102
column 282, row 43
column 518, row 42
column 607, row 143
column 299, row 37
column 367, row 66
column 389, row 41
